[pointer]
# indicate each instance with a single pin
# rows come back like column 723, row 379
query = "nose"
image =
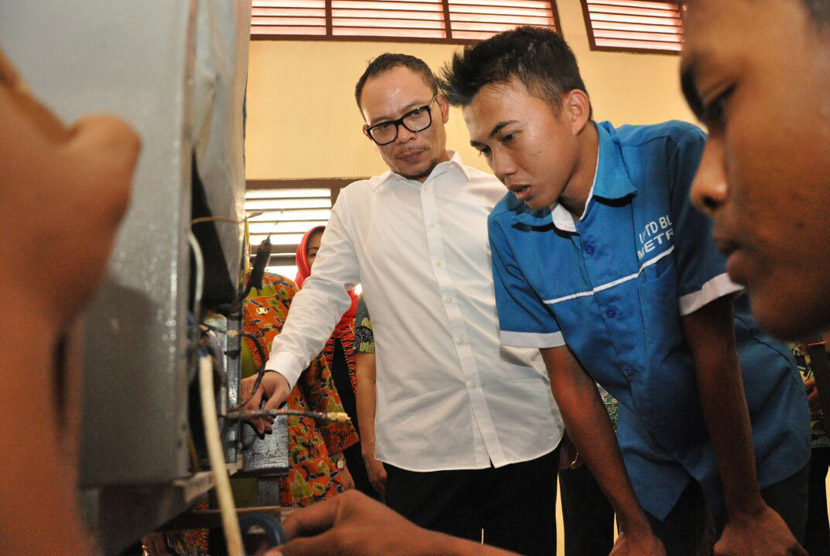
column 502, row 166
column 710, row 188
column 404, row 135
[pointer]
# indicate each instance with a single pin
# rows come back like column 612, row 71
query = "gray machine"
column 176, row 71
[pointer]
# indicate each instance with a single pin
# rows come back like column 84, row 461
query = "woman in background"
column 316, row 469
column 339, row 353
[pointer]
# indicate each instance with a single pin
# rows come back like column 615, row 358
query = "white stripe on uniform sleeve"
column 531, row 339
column 715, row 288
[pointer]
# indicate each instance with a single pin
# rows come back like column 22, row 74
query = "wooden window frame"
column 631, row 50
column 329, row 36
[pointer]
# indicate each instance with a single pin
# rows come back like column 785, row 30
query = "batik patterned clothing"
column 346, row 338
column 312, row 475
column 364, row 337
column 820, row 438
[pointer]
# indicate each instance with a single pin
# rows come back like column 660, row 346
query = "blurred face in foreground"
column 757, row 74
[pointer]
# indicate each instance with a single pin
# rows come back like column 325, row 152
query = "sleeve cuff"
column 715, row 288
column 287, row 365
column 531, row 339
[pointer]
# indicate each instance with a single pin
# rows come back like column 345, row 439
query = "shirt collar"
column 611, row 179
column 453, row 162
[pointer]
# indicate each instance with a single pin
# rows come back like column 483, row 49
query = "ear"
column 441, row 99
column 578, row 108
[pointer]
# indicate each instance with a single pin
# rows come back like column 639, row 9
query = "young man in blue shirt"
column 601, row 262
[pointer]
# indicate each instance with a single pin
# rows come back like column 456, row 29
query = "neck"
column 575, row 195
column 445, row 157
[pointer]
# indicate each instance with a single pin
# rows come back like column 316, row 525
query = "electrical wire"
column 230, row 524
column 199, row 261
column 326, row 416
column 263, row 357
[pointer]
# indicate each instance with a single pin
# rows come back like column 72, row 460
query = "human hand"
column 760, row 534
column 352, row 523
column 377, row 474
column 84, row 172
column 643, row 543
column 273, row 388
column 568, row 454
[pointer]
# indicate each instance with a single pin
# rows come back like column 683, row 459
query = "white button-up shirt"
column 449, row 396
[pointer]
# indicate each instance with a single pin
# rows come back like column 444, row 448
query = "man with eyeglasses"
column 468, row 430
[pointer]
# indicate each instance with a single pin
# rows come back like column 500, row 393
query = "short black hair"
column 388, row 61
column 539, row 58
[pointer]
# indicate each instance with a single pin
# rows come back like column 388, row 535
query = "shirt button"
column 589, row 248
column 628, row 370
column 611, row 313
column 437, row 263
column 427, row 188
column 459, row 341
column 472, row 385
column 448, row 300
column 431, row 225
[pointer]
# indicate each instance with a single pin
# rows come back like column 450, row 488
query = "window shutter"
column 288, row 17
column 388, row 18
column 632, row 25
column 480, row 19
column 407, row 20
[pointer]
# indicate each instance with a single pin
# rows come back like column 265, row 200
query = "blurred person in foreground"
column 50, row 175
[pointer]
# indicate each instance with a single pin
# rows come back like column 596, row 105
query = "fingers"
column 324, row 544
column 43, row 120
column 313, row 519
column 379, row 486
column 9, row 75
column 279, row 391
column 114, row 141
column 253, row 405
column 109, row 149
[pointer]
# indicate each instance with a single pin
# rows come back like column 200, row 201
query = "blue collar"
column 611, row 181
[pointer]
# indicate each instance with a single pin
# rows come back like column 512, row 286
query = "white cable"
column 233, row 536
column 199, row 262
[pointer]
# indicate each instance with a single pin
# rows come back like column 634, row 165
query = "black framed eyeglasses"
column 415, row 121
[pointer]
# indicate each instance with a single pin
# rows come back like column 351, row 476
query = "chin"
column 788, row 317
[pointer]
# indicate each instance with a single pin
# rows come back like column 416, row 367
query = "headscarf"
column 346, row 323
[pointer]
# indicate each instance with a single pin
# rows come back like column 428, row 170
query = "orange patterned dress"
column 312, row 475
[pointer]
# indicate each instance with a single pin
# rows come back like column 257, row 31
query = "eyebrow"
column 688, row 78
column 493, row 132
column 406, row 109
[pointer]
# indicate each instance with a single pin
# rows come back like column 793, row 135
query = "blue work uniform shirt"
column 614, row 285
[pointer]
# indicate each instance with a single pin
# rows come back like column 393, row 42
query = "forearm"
column 38, row 504
column 365, row 400
column 590, row 430
column 723, row 404
column 319, row 305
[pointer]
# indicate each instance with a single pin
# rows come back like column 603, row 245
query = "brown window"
column 456, row 21
column 284, row 210
column 634, row 25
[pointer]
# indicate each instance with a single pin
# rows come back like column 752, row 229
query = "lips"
column 411, row 156
column 737, row 260
column 522, row 192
